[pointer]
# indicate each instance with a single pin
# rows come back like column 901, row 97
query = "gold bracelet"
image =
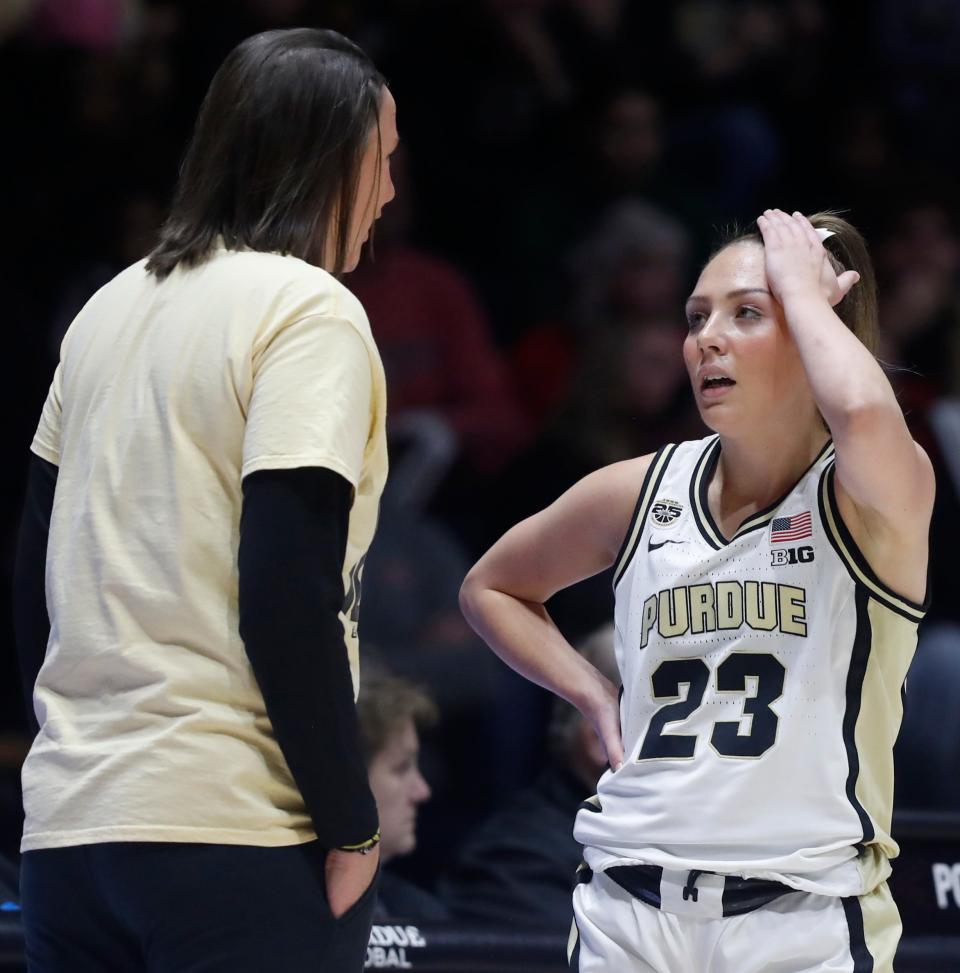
column 364, row 846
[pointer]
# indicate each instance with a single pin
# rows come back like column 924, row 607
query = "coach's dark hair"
column 846, row 250
column 274, row 160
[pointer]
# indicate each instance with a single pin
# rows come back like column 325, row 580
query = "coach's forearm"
column 292, row 541
column 30, row 619
column 524, row 636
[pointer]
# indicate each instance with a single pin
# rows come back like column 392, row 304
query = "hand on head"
column 797, row 262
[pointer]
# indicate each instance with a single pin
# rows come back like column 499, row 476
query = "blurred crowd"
column 566, row 167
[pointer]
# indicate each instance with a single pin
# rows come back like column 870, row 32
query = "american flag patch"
column 793, row 528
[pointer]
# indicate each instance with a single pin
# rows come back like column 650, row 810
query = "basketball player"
column 769, row 581
column 209, row 461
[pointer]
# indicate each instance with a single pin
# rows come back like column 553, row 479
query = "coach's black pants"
column 187, row 908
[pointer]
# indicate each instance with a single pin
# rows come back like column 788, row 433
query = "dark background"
column 566, row 167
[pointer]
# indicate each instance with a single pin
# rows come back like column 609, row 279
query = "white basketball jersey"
column 762, row 680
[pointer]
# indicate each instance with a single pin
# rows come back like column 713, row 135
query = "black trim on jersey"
column 575, row 955
column 584, row 876
column 632, row 539
column 862, row 960
column 859, row 657
column 588, row 804
column 856, row 564
column 698, row 493
column 699, row 488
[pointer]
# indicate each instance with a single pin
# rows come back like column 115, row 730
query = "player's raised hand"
column 796, row 261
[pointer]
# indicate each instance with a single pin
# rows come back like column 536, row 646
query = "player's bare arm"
column 503, row 596
column 885, row 482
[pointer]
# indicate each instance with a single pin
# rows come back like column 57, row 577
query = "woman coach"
column 209, row 461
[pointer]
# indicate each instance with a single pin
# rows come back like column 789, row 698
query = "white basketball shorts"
column 693, row 922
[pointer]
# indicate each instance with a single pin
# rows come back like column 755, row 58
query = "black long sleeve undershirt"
column 31, row 623
column 293, row 537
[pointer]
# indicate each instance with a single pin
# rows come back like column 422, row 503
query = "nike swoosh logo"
column 652, row 547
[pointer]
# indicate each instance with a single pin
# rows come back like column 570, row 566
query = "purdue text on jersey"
column 763, row 606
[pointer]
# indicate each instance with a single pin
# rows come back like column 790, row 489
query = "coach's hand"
column 348, row 875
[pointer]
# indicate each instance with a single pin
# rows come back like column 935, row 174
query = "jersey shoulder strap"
column 850, row 555
column 648, row 490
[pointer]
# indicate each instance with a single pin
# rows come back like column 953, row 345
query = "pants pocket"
column 363, row 905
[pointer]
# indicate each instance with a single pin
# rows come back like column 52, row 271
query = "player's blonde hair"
column 847, row 250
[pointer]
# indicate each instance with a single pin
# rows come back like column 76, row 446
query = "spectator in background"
column 518, row 867
column 622, row 390
column 860, row 151
column 620, row 158
column 919, row 264
column 739, row 61
column 629, row 392
column 436, row 341
column 634, row 264
column 391, row 712
column 919, row 46
column 636, row 261
column 510, row 122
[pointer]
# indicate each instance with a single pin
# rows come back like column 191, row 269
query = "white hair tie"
column 824, row 233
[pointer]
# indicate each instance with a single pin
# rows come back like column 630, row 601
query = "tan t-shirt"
column 152, row 727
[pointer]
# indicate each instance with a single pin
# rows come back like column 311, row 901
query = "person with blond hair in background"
column 393, row 712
